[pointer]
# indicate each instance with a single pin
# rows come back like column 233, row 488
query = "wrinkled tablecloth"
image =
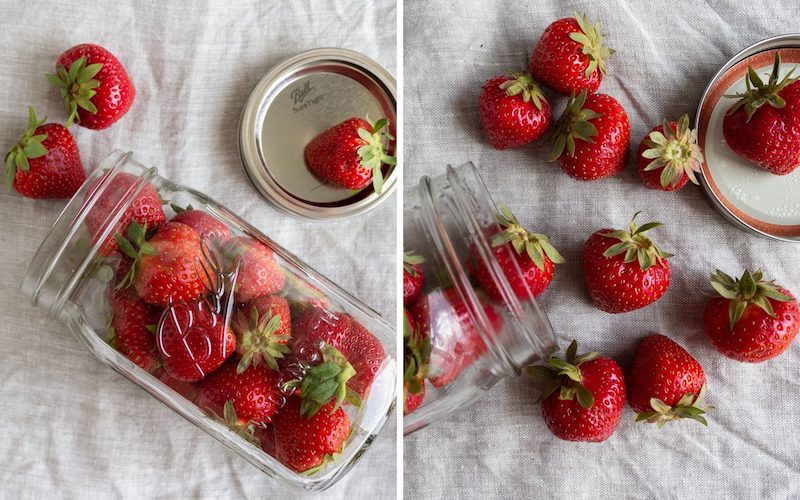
column 71, row 427
column 666, row 54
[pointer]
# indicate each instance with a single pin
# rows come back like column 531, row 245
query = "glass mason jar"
column 468, row 340
column 207, row 289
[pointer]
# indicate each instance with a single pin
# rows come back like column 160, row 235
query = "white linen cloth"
column 71, row 427
column 666, row 54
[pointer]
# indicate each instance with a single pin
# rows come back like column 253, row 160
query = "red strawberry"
column 45, row 163
column 570, row 56
column 266, row 437
column 263, row 330
column 133, row 325
column 763, row 126
column 417, row 352
column 97, row 90
column 669, row 156
column 514, row 111
column 412, row 399
column 305, row 444
column 625, row 270
column 205, row 224
column 752, row 319
column 259, row 273
column 665, row 382
column 193, row 340
column 253, row 392
column 352, row 154
column 517, row 251
column 595, row 133
column 413, row 277
column 583, row 397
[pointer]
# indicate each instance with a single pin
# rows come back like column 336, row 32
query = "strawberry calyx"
column 77, row 86
column 635, row 245
column 327, row 459
column 759, row 93
column 564, row 375
column 242, row 428
column 29, row 147
column 136, row 247
column 373, row 153
column 534, row 244
column 259, row 342
column 749, row 289
column 324, row 382
column 573, row 124
column 592, row 41
column 522, row 83
column 417, row 352
column 410, row 261
column 676, row 151
column 689, row 406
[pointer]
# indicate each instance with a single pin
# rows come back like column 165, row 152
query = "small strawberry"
column 625, row 270
column 665, row 383
column 259, row 273
column 133, row 330
column 306, row 444
column 253, row 392
column 45, row 163
column 263, row 330
column 413, row 277
column 751, row 319
column 206, row 225
column 417, row 352
column 516, row 251
column 763, row 126
column 570, row 56
column 669, row 156
column 97, row 90
column 514, row 111
column 582, row 397
column 352, row 153
column 595, row 132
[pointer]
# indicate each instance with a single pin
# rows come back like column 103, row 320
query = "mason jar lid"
column 293, row 103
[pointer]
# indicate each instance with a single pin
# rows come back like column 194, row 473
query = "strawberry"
column 525, row 258
column 751, row 319
column 665, row 382
column 669, row 156
column 205, row 224
column 263, row 329
column 45, row 163
column 306, row 444
column 412, row 400
column 417, row 352
column 595, row 132
column 625, row 270
column 570, row 56
column 132, row 330
column 763, row 126
column 513, row 110
column 413, row 277
column 97, row 90
column 193, row 340
column 583, row 395
column 302, row 294
column 352, row 153
column 259, row 273
column 367, row 355
column 253, row 392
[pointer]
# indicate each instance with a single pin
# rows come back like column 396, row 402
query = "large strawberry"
column 97, row 90
column 253, row 392
column 570, row 56
column 583, row 395
column 259, row 274
column 763, row 126
column 133, row 330
column 206, row 225
column 625, row 270
column 665, row 382
column 513, row 110
column 306, row 444
column 416, row 355
column 751, row 319
column 413, row 277
column 351, row 154
column 669, row 156
column 263, row 329
column 591, row 137
column 525, row 258
column 45, row 163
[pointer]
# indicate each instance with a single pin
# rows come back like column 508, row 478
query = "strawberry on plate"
column 750, row 319
column 132, row 330
column 515, row 249
column 513, row 110
column 416, row 352
column 763, row 126
column 665, row 382
column 570, row 56
column 413, row 277
column 351, row 154
column 591, row 137
column 259, row 273
column 669, row 156
column 625, row 270
column 582, row 395
column 253, row 392
column 263, row 329
column 206, row 225
column 97, row 90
